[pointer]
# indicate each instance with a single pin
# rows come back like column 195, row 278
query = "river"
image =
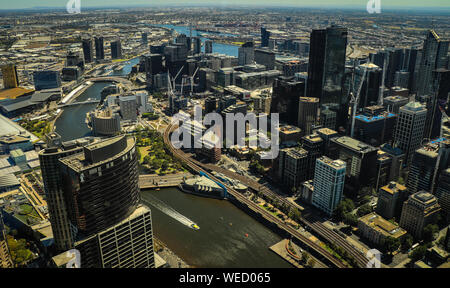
column 220, row 48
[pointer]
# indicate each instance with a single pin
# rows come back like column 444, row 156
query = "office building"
column 197, row 49
column 265, row 37
column 74, row 59
column 409, row 128
column 246, row 54
column 375, row 126
column 421, row 209
column 286, row 99
column 99, row 48
column 437, row 102
column 384, row 165
column 423, row 166
column 443, row 191
column 361, row 161
column 208, row 47
column 329, row 179
column 370, row 88
column 144, row 36
column 116, row 49
column 88, row 50
column 326, row 72
column 10, row 76
column 393, row 103
column 292, row 167
column 390, row 200
column 376, row 229
column 289, row 135
column 398, row 160
column 434, row 55
column 313, row 144
column 307, row 114
column 128, row 107
column 46, row 79
column 266, row 58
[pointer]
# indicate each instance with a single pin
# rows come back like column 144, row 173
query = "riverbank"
column 173, row 261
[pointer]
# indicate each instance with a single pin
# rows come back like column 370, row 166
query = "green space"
column 150, row 116
column 154, row 156
column 37, row 127
column 20, row 254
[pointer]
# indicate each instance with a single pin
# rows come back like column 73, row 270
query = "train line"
column 197, row 166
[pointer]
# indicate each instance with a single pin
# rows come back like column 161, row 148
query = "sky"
column 357, row 4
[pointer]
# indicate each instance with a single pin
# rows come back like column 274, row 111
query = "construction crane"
column 355, row 101
column 444, row 118
column 175, row 78
column 192, row 80
column 381, row 95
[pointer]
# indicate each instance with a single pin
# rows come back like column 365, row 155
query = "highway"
column 197, row 166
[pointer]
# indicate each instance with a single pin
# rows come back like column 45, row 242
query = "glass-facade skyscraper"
column 326, row 71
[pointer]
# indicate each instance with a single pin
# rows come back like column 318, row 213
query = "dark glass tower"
column 116, row 49
column 265, row 37
column 99, row 48
column 88, row 50
column 326, row 71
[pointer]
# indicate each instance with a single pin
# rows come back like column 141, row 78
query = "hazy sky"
column 19, row 4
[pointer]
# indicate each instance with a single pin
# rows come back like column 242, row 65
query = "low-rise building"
column 376, row 229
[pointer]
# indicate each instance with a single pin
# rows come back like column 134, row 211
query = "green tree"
column 407, row 242
column 350, row 219
column 429, row 232
column 391, row 244
column 418, row 253
column 364, row 210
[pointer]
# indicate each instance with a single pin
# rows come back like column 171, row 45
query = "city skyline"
column 323, row 4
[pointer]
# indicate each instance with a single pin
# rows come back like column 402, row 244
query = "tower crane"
column 192, row 80
column 355, row 101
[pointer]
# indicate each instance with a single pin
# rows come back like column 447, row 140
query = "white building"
column 329, row 180
column 410, row 128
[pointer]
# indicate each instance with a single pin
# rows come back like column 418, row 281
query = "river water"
column 228, row 237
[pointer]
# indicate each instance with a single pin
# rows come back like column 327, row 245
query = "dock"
column 153, row 181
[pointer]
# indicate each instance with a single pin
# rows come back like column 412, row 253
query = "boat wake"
column 169, row 211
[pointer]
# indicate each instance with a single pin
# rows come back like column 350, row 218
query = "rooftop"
column 354, row 144
column 382, row 225
column 335, row 164
column 14, row 93
column 393, row 187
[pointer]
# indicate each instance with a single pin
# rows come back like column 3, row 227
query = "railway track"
column 197, row 166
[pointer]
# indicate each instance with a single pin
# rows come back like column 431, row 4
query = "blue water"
column 226, row 49
column 127, row 69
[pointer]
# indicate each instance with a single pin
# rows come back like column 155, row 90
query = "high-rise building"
column 5, row 256
column 421, row 209
column 307, row 114
column 53, row 187
column 197, row 49
column 437, row 102
column 390, row 200
column 265, row 37
column 443, row 191
column 208, row 47
column 313, row 144
column 74, row 59
column 393, row 103
column 101, row 190
column 293, row 167
column 329, row 179
column 46, row 79
column 434, row 55
column 116, row 49
column 10, row 77
column 266, row 58
column 370, row 90
column 88, row 50
column 285, row 99
column 99, row 48
column 361, row 161
column 246, row 54
column 326, row 72
column 423, row 166
column 144, row 38
column 375, row 126
column 409, row 129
